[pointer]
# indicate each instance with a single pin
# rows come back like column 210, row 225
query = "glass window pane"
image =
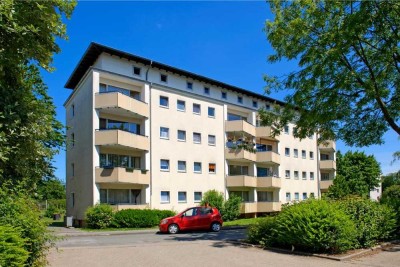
column 181, row 165
column 198, row 196
column 181, row 105
column 181, row 135
column 164, row 164
column 182, row 196
column 211, row 112
column 163, row 101
column 164, row 196
column 164, row 132
column 197, row 166
column 196, row 108
column 197, row 137
column 211, row 139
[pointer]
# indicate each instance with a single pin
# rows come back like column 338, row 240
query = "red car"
column 197, row 218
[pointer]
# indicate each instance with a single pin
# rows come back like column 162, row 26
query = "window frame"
column 194, row 196
column 164, row 170
column 287, row 176
column 136, row 68
column 177, row 135
column 240, row 99
column 193, row 109
column 224, row 95
column 189, row 85
column 162, row 75
column 206, row 90
column 194, row 141
column 162, row 137
column 215, row 168
column 183, row 171
column 164, row 97
column 215, row 140
column 168, row 195
column 184, row 105
column 194, row 167
column 185, row 194
column 213, row 111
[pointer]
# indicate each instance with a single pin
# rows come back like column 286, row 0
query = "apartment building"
column 142, row 134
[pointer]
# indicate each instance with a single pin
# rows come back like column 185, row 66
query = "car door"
column 190, row 219
column 205, row 217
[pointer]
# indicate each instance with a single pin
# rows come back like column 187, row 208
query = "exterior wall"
column 80, row 182
column 376, row 193
column 174, row 150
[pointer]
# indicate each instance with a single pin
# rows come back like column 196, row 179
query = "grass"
column 243, row 222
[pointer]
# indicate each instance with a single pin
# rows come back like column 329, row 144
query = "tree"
column 391, row 197
column 390, row 179
column 51, row 188
column 357, row 174
column 347, row 85
column 29, row 133
column 214, row 199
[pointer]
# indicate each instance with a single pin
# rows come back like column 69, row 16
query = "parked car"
column 196, row 218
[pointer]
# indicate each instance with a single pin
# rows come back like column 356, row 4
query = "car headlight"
column 164, row 221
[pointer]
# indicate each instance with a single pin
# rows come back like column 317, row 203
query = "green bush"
column 12, row 251
column 315, row 226
column 214, row 198
column 162, row 214
column 374, row 222
column 99, row 216
column 18, row 210
column 262, row 232
column 231, row 208
column 391, row 198
column 136, row 218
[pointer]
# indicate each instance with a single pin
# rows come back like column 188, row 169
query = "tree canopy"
column 348, row 82
column 29, row 133
column 357, row 174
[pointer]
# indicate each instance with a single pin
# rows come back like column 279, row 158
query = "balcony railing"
column 325, row 184
column 268, row 157
column 252, row 181
column 254, row 207
column 122, row 175
column 119, row 138
column 327, row 146
column 266, row 133
column 240, row 126
column 116, row 103
column 130, row 206
column 327, row 165
column 239, row 154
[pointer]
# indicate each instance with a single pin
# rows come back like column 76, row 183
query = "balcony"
column 324, row 185
column 122, row 176
column 240, row 126
column 130, row 206
column 121, row 139
column 268, row 157
column 240, row 155
column 327, row 165
column 328, row 146
column 254, row 207
column 266, row 133
column 241, row 181
column 268, row 182
column 120, row 104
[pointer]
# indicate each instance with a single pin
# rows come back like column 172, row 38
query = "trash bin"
column 56, row 216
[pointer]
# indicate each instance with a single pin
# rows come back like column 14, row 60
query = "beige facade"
column 147, row 135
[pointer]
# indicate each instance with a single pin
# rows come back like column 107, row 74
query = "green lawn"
column 243, row 222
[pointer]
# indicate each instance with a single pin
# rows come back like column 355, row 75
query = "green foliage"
column 99, row 216
column 261, row 233
column 346, row 86
column 162, row 214
column 214, row 198
column 391, row 197
column 12, row 251
column 357, row 174
column 374, row 222
column 315, row 226
column 231, row 208
column 19, row 211
column 390, row 179
column 50, row 188
column 137, row 218
column 55, row 206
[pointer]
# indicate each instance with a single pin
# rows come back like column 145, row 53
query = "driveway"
column 188, row 249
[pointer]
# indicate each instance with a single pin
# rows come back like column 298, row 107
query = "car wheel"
column 215, row 227
column 173, row 229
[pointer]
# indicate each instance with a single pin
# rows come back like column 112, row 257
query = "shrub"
column 373, row 221
column 214, row 198
column 391, row 197
column 18, row 210
column 162, row 214
column 314, row 225
column 99, row 216
column 136, row 218
column 231, row 208
column 12, row 251
column 262, row 232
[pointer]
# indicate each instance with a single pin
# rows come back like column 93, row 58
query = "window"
column 164, row 165
column 196, row 108
column 164, row 196
column 164, row 78
column 287, row 174
column 296, row 196
column 181, row 135
column 211, row 168
column 311, row 175
column 295, row 153
column 287, row 151
column 113, row 160
column 303, row 154
column 324, row 176
column 286, row 129
column 206, row 90
column 288, row 197
column 223, row 95
column 304, row 196
column 197, row 167
column 304, row 175
column 181, row 196
column 197, row 138
column 73, row 110
column 238, row 170
column 73, row 139
column 198, row 196
column 211, row 140
column 312, row 195
column 189, row 85
column 180, row 105
column 72, row 199
column 136, row 70
column 72, row 169
column 324, row 157
column 164, row 133
column 296, row 175
column 164, row 101
column 181, row 166
column 263, row 196
column 255, row 104
column 264, row 172
column 211, row 112
column 120, row 125
column 311, row 155
column 240, row 99
column 267, row 107
column 243, row 194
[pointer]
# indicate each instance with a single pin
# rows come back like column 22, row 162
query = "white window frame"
column 311, row 176
column 194, row 196
column 159, row 102
column 303, row 155
column 177, row 105
column 182, row 201
column 164, row 170
column 286, row 174
column 194, row 167
column 168, row 196
column 194, row 112
column 177, row 133
column 287, row 149
column 215, row 168
column 296, row 177
column 178, row 166
column 208, row 112
column 209, row 143
column 194, row 141
column 304, row 175
column 295, row 153
column 161, row 133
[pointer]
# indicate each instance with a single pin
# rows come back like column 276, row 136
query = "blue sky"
column 221, row 40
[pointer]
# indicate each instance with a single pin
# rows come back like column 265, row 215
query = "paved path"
column 189, row 249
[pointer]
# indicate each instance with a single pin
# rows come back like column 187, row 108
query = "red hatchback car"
column 197, row 218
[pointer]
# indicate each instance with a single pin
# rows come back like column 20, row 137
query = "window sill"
column 165, row 138
column 182, row 171
column 195, row 113
column 211, row 144
column 181, row 110
column 181, row 140
column 197, row 172
column 164, row 170
column 167, row 107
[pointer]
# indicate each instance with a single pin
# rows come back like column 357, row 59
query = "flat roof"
column 95, row 50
